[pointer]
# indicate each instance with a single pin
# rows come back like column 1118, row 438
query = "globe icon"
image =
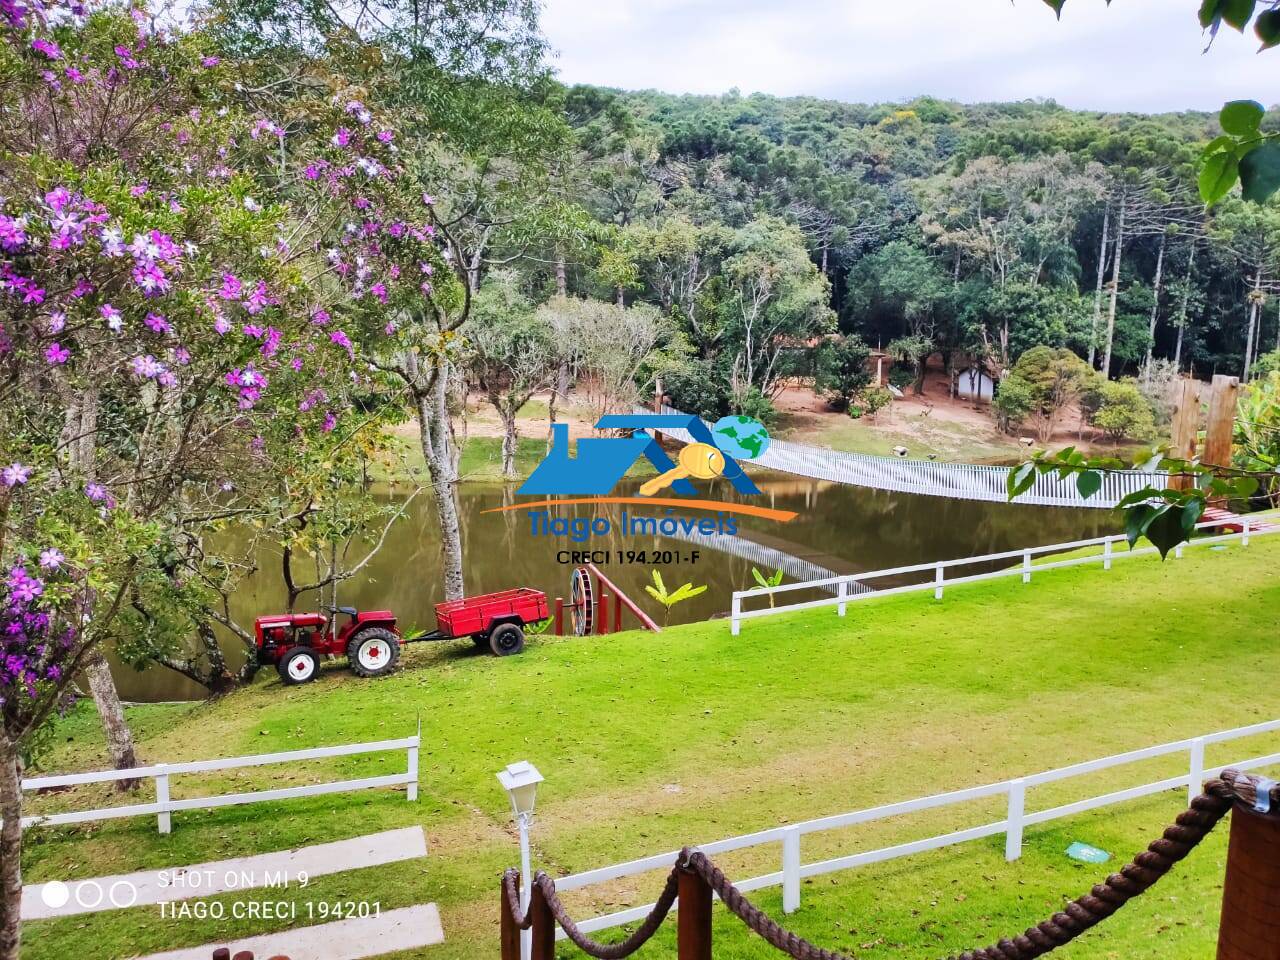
column 743, row 438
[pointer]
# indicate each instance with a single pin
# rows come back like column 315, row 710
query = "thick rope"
column 511, row 887
column 612, row 951
column 1082, row 914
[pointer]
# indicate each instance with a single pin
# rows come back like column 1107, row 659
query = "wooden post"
column 559, row 616
column 693, row 920
column 1185, row 429
column 510, row 932
column 544, row 926
column 1250, row 927
column 602, row 612
column 1220, row 430
column 617, row 614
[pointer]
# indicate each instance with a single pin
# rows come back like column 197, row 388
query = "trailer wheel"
column 298, row 665
column 373, row 652
column 506, row 639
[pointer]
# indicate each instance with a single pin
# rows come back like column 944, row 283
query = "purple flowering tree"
column 184, row 302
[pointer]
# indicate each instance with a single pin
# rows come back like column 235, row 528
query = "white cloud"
column 1133, row 55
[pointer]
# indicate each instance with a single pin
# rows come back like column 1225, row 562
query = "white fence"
column 1017, row 819
column 852, row 588
column 962, row 481
column 164, row 806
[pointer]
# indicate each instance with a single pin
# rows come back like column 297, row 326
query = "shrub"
column 1267, row 364
column 1012, row 403
column 875, row 400
column 841, row 370
column 1124, row 412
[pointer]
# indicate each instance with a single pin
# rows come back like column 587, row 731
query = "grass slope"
column 649, row 742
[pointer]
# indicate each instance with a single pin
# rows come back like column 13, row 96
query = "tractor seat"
column 349, row 611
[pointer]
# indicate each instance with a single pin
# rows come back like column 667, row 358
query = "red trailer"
column 371, row 640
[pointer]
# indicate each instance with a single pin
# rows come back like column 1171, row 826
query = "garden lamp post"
column 521, row 780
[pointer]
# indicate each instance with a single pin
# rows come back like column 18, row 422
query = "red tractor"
column 371, row 640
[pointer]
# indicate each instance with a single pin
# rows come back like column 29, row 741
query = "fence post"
column 602, row 613
column 544, row 927
column 1196, row 780
column 938, row 575
column 1026, row 566
column 165, row 818
column 1106, row 554
column 735, row 615
column 1244, row 533
column 1177, row 552
column 842, row 593
column 411, row 788
column 510, row 937
column 1251, row 889
column 559, row 616
column 693, row 919
column 790, row 870
column 1013, row 827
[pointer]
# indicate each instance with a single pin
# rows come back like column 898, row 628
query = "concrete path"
column 149, row 887
column 408, row 928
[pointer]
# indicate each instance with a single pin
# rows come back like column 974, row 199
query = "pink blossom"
column 209, row 62
column 342, row 138
column 52, row 559
column 330, row 422
column 47, row 47
column 147, row 367
column 222, row 325
column 15, row 475
column 231, row 287
column 56, row 354
column 158, row 324
column 342, row 340
column 115, row 320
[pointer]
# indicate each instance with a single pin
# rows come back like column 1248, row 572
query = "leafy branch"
column 1166, row 516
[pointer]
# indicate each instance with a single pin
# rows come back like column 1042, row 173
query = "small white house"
column 974, row 384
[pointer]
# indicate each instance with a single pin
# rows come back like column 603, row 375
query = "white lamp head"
column 521, row 780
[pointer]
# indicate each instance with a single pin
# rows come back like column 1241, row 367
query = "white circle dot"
column 129, row 898
column 55, row 894
column 90, row 887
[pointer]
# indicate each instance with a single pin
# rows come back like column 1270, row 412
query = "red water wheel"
column 582, row 601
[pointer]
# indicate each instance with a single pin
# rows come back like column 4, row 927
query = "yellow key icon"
column 699, row 460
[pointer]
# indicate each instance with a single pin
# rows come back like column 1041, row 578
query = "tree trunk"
column 1182, row 311
column 1155, row 307
column 101, row 684
column 10, row 849
column 435, row 435
column 1097, row 293
column 111, row 713
column 562, row 281
column 510, row 439
column 1253, row 321
column 622, row 297
column 1115, row 293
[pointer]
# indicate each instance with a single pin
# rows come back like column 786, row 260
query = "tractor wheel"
column 373, row 652
column 298, row 665
column 506, row 639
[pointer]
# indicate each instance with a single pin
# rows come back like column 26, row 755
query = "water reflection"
column 839, row 530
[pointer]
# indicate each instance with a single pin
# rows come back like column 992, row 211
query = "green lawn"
column 649, row 742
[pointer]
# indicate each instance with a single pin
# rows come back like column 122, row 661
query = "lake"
column 839, row 530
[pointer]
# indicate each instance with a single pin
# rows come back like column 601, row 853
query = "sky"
column 1140, row 55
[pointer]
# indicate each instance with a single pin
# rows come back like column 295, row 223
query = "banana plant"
column 669, row 598
column 773, row 580
column 538, row 628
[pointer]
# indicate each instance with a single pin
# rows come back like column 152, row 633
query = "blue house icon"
column 603, row 461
